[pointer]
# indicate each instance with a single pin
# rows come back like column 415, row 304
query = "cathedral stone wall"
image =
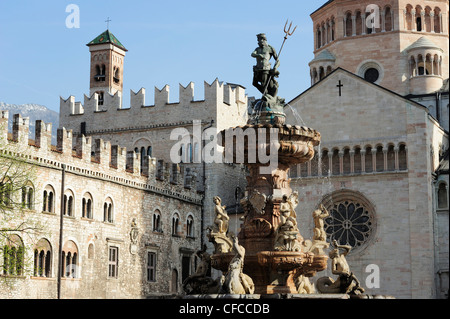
column 401, row 243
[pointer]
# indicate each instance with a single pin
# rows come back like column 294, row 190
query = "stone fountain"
column 269, row 255
column 276, row 254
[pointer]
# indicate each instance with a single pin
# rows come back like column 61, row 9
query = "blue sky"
column 169, row 42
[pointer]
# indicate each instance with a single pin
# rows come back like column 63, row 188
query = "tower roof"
column 107, row 37
column 423, row 43
column 325, row 55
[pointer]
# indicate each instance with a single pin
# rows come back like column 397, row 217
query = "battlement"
column 110, row 113
column 98, row 158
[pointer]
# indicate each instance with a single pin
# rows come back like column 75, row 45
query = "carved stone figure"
column 304, row 286
column 319, row 242
column 346, row 281
column 236, row 282
column 221, row 220
column 258, row 202
column 287, row 235
column 217, row 233
column 318, row 216
column 134, row 233
column 199, row 282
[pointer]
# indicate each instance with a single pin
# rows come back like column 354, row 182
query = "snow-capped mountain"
column 34, row 112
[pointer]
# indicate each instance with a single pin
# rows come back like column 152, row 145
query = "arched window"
column 101, row 97
column 388, row 25
column 149, row 151
column 357, row 160
column 436, row 65
column 325, row 163
column 412, row 63
column 321, row 73
column 68, row 203
column 86, row 206
column 175, row 224
column 70, row 260
column 391, row 158
column 329, row 70
column 304, row 169
column 116, row 75
column 91, row 251
column 418, row 18
column 358, row 23
column 408, row 18
column 427, row 22
column 348, row 24
column 368, row 160
column 48, row 199
column 315, row 165
column 174, row 282
column 379, row 157
column 442, row 196
column 157, row 224
column 28, row 196
column 190, row 226
column 437, row 20
column 402, row 162
column 336, row 163
column 13, row 256
column 319, row 37
column 108, row 211
column 346, row 161
column 42, row 259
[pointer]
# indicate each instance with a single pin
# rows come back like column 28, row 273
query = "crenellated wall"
column 111, row 115
column 96, row 158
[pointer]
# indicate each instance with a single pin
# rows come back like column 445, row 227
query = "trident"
column 287, row 34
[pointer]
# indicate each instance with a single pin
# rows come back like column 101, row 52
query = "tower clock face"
column 371, row 75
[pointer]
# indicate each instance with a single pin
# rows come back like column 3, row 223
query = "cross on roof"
column 107, row 23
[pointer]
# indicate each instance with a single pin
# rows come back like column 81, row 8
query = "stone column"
column 352, row 161
column 422, row 20
column 363, row 160
column 363, row 24
column 416, row 58
column 385, row 159
column 341, row 162
column 413, row 20
column 374, row 159
column 432, row 64
column 330, row 163
column 383, row 21
column 396, row 149
column 432, row 21
column 345, row 26
column 353, row 25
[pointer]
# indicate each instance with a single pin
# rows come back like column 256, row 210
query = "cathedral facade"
column 382, row 166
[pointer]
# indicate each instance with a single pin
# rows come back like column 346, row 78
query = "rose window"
column 351, row 222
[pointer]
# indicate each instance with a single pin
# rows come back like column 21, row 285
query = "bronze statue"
column 263, row 75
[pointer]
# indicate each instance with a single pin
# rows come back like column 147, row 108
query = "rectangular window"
column 113, row 262
column 151, row 266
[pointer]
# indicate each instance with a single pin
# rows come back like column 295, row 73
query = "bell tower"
column 107, row 60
